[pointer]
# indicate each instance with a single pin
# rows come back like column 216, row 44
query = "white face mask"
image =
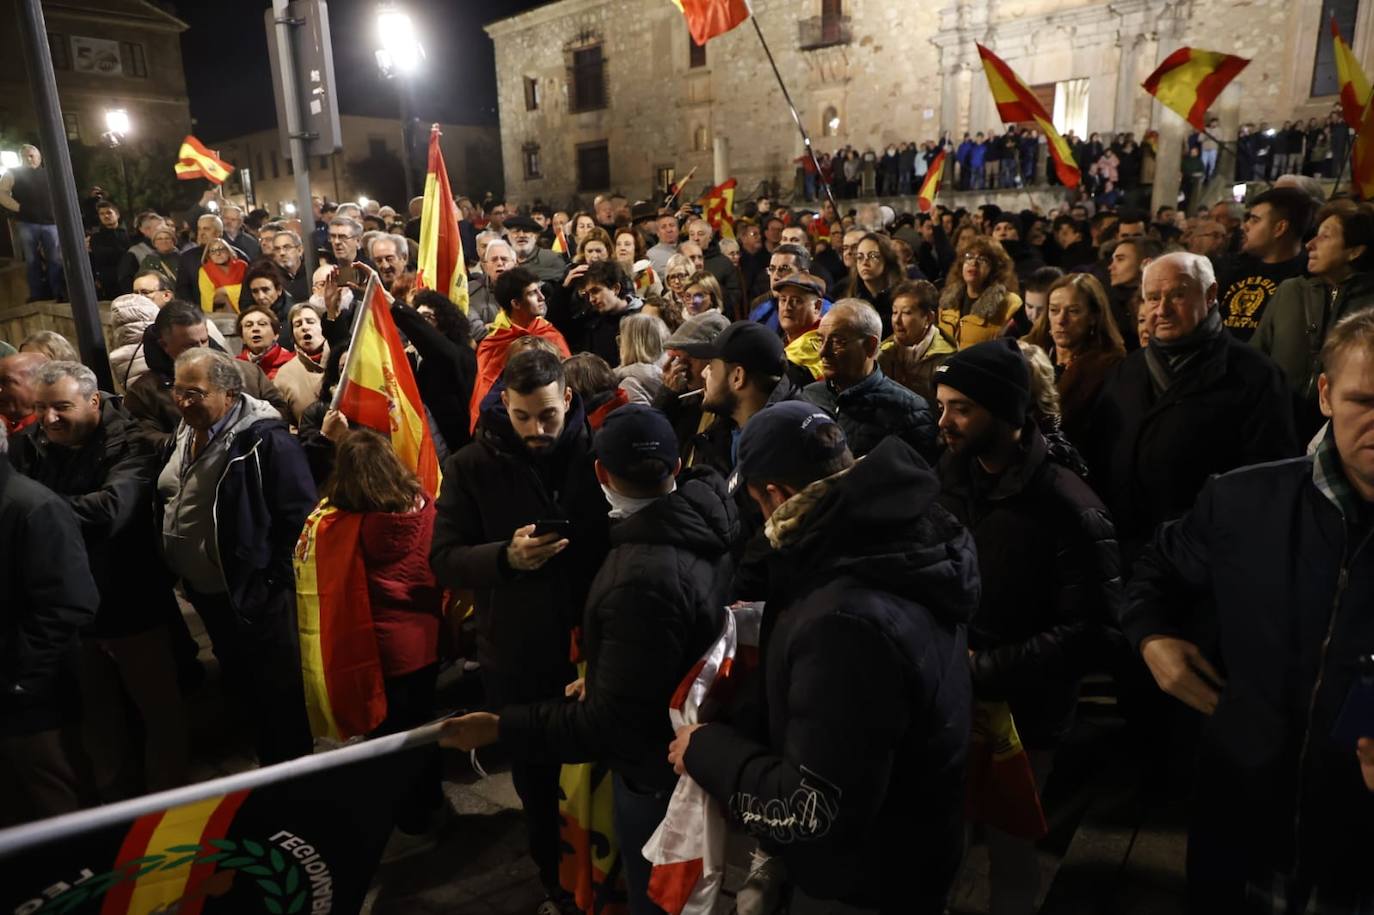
column 623, row 506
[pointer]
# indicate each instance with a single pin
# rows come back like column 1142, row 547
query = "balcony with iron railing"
column 823, row 32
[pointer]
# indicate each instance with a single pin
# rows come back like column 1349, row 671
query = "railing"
column 823, row 32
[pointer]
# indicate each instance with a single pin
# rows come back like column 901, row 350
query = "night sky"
column 229, row 79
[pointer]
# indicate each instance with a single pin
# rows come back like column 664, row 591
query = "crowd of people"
column 962, row 458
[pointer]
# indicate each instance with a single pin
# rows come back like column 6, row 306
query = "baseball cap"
column 702, row 328
column 805, row 282
column 746, row 343
column 637, row 443
column 784, row 442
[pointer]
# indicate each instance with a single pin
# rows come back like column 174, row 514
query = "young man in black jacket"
column 655, row 607
column 1048, row 563
column 530, row 461
column 855, row 780
column 1253, row 609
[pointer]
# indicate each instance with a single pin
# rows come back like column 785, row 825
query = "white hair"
column 503, row 243
column 1195, row 265
column 397, row 241
column 859, row 315
column 53, row 372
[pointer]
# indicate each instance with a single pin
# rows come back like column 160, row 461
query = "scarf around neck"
column 1167, row 360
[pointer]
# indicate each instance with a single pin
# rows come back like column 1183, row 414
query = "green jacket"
column 1295, row 324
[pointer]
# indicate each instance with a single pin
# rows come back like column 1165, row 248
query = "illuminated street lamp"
column 117, row 130
column 400, row 55
column 8, row 159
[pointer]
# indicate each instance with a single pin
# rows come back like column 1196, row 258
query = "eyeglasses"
column 976, row 259
column 869, row 257
column 781, row 269
column 679, row 277
column 336, row 236
column 189, row 396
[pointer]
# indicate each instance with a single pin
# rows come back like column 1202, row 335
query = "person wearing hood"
column 868, row 405
column 258, row 329
column 606, row 298
column 178, row 327
column 1191, row 404
column 656, row 606
column 855, row 781
column 530, row 463
column 86, row 448
column 1048, row 564
column 299, row 379
column 232, row 500
column 699, row 232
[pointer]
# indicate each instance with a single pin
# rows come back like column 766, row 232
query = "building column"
column 1126, row 86
column 1173, row 135
column 720, row 158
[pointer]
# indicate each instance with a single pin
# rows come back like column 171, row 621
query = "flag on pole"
column 708, row 18
column 1362, row 156
column 560, row 240
column 925, row 199
column 1190, row 79
column 195, row 161
column 340, row 662
column 719, row 208
column 1354, row 84
column 378, row 389
column 440, row 265
column 1016, row 103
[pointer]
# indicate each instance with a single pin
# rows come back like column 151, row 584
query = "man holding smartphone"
column 1275, row 565
column 530, row 461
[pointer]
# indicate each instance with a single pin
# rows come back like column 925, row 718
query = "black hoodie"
column 857, row 780
column 656, row 606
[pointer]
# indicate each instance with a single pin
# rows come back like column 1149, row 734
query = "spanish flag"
column 340, row 664
column 1362, row 155
column 1000, row 787
column 229, row 278
column 708, row 18
column 494, row 350
column 195, row 161
column 1189, row 81
column 560, row 240
column 1354, row 84
column 1016, row 103
column 719, row 204
column 925, row 199
column 378, row 389
column 440, row 265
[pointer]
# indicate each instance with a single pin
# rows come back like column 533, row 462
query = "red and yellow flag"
column 1016, row 103
column 719, row 208
column 708, row 18
column 1190, row 79
column 378, row 389
column 440, row 264
column 1362, row 155
column 925, row 199
column 560, row 240
column 340, row 663
column 195, row 161
column 228, row 277
column 1354, row 84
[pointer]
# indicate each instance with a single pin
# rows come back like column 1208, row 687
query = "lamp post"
column 400, row 55
column 117, row 129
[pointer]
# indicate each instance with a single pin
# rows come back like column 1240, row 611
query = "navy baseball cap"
column 746, row 343
column 637, row 443
column 783, row 442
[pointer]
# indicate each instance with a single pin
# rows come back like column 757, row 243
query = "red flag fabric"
column 494, row 349
column 1362, row 156
column 1355, row 91
column 708, row 18
column 1016, row 103
column 1001, row 790
column 440, row 265
column 931, row 186
column 1190, row 79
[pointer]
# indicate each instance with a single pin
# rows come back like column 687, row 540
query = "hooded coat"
column 655, row 607
column 856, row 779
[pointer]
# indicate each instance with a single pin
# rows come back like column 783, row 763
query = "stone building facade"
column 598, row 95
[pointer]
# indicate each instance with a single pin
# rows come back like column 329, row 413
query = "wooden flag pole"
column 806, row 139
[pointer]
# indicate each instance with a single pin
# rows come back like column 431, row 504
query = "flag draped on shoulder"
column 708, row 18
column 494, row 349
column 378, row 389
column 930, row 187
column 1354, row 84
column 440, row 264
column 1190, row 79
column 340, row 663
column 213, row 276
column 1016, row 103
column 719, row 208
column 195, row 161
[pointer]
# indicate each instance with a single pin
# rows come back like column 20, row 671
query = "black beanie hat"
column 993, row 375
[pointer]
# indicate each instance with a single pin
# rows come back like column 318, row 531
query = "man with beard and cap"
column 1048, row 563
column 530, row 463
column 656, row 606
column 523, row 234
column 855, row 781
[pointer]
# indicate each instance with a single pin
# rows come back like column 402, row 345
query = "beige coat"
column 299, row 382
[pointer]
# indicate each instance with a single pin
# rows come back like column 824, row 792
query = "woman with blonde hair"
column 595, row 246
column 702, row 293
column 680, row 269
column 220, row 279
column 979, row 299
column 51, row 344
column 641, row 357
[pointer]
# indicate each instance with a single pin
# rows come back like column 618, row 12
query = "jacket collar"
column 1328, row 475
column 858, row 391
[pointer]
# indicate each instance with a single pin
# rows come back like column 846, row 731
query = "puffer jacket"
column 901, row 365
column 875, row 408
column 1051, row 575
column 968, row 323
column 406, row 600
column 856, row 778
column 656, row 605
column 130, row 316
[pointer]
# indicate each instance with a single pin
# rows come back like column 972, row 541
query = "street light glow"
column 8, row 159
column 835, row 123
column 117, row 121
column 401, row 51
column 362, row 202
column 289, row 209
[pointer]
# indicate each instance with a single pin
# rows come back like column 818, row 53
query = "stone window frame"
column 598, row 96
column 1311, row 27
column 696, row 54
column 585, row 182
column 531, row 84
column 529, row 161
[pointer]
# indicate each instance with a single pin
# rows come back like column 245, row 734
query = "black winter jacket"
column 1051, row 577
column 1290, row 584
column 445, row 376
column 46, row 597
column 875, row 408
column 1151, row 454
column 109, row 483
column 857, row 778
column 492, row 487
column 654, row 608
column 725, row 272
